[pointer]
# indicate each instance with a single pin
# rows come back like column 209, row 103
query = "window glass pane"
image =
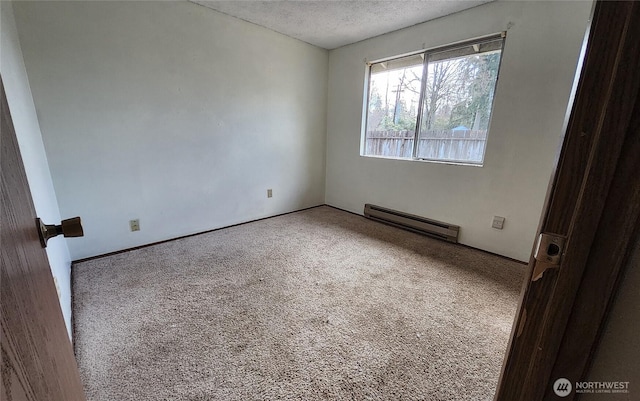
column 457, row 105
column 392, row 109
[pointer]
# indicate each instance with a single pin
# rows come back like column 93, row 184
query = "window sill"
column 450, row 162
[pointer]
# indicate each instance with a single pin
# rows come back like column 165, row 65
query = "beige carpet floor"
column 315, row 305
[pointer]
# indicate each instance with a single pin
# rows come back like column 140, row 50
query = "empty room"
column 301, row 200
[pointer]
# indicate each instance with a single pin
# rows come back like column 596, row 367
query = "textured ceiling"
column 330, row 24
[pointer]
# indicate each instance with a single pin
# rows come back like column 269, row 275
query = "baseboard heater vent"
column 421, row 225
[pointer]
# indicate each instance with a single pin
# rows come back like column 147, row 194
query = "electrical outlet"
column 498, row 222
column 134, row 225
column 269, row 193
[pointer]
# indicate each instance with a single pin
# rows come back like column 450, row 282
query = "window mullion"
column 423, row 89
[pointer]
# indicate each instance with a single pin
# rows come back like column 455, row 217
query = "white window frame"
column 426, row 53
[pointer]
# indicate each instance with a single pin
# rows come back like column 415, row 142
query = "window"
column 434, row 105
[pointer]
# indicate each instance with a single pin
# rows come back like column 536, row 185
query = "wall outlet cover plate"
column 498, row 222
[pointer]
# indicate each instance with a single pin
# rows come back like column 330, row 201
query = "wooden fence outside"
column 459, row 145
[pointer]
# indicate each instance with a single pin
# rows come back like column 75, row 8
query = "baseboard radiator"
column 421, row 225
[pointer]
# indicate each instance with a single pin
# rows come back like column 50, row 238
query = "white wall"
column 25, row 121
column 539, row 62
column 174, row 114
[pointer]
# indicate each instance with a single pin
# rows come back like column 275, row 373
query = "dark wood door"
column 37, row 357
column 594, row 202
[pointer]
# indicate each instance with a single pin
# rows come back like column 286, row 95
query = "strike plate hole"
column 553, row 250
